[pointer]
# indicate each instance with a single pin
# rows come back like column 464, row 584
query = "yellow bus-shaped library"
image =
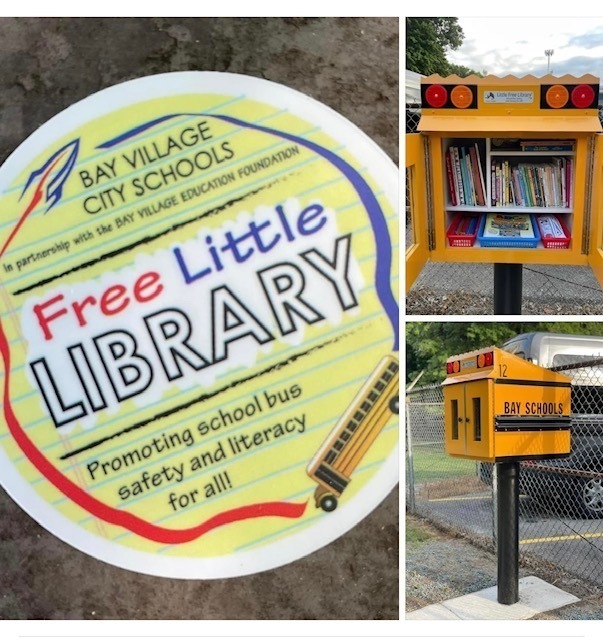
column 354, row 433
column 506, row 170
column 499, row 407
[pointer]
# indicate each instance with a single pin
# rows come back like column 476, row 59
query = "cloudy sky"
column 502, row 45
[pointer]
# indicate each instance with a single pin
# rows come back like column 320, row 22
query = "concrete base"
column 535, row 596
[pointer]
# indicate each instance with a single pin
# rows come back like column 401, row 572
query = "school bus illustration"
column 354, row 433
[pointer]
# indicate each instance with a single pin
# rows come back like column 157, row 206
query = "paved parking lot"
column 574, row 545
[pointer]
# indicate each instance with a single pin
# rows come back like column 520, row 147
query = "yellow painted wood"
column 513, row 123
column 505, row 120
column 595, row 249
column 417, row 253
column 509, row 388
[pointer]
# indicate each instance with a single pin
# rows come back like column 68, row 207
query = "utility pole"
column 548, row 53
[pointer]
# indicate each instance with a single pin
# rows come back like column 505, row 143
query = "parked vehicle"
column 413, row 100
column 554, row 350
column 573, row 484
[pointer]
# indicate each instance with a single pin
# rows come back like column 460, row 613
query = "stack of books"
column 532, row 185
column 514, row 230
column 547, row 145
column 466, row 184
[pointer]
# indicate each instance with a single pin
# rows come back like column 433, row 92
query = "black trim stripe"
column 532, row 383
column 531, row 423
column 530, row 428
column 548, row 456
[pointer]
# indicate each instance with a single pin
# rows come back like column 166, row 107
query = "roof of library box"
column 510, row 104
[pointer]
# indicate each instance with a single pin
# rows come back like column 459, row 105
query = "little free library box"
column 506, row 170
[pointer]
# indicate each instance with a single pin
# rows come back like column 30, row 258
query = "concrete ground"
column 441, row 566
column 350, row 64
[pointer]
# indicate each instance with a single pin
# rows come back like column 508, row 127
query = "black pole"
column 507, row 289
column 508, row 532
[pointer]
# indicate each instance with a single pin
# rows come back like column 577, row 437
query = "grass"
column 416, row 533
column 432, row 465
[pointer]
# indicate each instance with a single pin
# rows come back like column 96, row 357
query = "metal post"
column 495, row 504
column 508, row 532
column 507, row 289
column 409, row 460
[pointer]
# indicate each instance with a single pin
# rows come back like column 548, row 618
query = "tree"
column 462, row 71
column 427, row 40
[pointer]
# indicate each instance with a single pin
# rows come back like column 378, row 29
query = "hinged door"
column 595, row 215
column 417, row 250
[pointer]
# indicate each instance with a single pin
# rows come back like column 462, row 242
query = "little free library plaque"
column 199, row 327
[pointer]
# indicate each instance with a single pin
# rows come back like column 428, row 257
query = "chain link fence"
column 561, row 500
column 467, row 289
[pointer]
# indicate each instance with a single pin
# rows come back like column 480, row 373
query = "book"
column 466, row 187
column 459, row 178
column 479, row 194
column 508, row 225
column 469, row 168
column 550, row 227
column 451, row 185
column 481, row 174
column 466, row 225
column 540, row 147
column 547, row 145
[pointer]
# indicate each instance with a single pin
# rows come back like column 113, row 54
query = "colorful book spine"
column 459, row 177
column 451, row 188
column 481, row 174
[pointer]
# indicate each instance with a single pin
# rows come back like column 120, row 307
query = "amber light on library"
column 461, row 96
column 485, row 359
column 557, row 96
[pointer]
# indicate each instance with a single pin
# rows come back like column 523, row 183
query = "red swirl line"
column 116, row 516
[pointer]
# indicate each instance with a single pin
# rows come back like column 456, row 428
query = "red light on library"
column 485, row 359
column 583, row 96
column 557, row 96
column 461, row 96
column 436, row 96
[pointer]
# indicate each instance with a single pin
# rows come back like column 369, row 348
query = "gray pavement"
column 350, row 64
column 568, row 544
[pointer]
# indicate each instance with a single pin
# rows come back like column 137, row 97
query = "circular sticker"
column 199, row 326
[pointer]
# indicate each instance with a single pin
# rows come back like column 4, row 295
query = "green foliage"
column 427, row 41
column 462, row 71
column 430, row 344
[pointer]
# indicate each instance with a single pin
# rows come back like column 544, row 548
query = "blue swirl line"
column 371, row 204
column 131, row 133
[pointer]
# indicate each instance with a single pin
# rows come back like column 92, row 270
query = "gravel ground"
column 467, row 289
column 429, row 301
column 440, row 566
